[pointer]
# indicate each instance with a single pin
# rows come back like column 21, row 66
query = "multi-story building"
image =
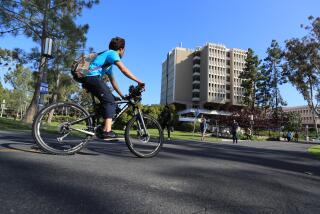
column 305, row 115
column 206, row 78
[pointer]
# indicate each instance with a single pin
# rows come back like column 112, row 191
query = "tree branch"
column 14, row 15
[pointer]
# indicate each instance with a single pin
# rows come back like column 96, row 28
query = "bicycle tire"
column 130, row 141
column 38, row 137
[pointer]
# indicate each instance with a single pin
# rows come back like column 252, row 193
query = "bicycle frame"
column 96, row 116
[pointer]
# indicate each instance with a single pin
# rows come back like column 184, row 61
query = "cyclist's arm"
column 115, row 85
column 126, row 72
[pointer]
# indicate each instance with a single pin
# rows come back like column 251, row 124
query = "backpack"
column 80, row 66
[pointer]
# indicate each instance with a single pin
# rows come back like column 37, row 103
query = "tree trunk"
column 313, row 109
column 54, row 97
column 33, row 107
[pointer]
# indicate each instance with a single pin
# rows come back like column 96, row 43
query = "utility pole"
column 46, row 44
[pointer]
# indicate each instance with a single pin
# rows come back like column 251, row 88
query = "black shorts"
column 99, row 89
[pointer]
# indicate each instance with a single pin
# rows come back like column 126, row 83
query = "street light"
column 251, row 123
column 48, row 48
column 3, row 107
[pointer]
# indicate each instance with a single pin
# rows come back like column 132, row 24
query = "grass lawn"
column 11, row 124
column 179, row 135
column 315, row 150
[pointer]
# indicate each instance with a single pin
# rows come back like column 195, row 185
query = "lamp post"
column 3, row 107
column 45, row 48
column 251, row 123
column 307, row 132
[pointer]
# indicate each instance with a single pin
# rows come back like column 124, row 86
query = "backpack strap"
column 97, row 68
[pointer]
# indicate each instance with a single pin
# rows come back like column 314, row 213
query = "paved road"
column 186, row 177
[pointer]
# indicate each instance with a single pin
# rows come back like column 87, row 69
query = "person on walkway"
column 166, row 120
column 296, row 136
column 248, row 134
column 289, row 136
column 234, row 130
column 203, row 127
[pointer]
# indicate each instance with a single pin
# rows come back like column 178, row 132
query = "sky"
column 154, row 27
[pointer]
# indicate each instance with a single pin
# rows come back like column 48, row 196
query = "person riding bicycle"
column 94, row 83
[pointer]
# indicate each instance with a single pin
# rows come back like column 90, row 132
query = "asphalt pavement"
column 185, row 177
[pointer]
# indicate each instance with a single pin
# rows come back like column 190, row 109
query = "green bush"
column 62, row 118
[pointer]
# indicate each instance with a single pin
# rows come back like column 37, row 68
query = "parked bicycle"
column 65, row 128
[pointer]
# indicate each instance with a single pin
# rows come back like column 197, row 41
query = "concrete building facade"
column 204, row 78
column 305, row 115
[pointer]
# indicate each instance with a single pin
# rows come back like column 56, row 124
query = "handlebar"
column 135, row 92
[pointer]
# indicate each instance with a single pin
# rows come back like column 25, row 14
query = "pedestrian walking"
column 289, row 136
column 234, row 131
column 166, row 120
column 248, row 134
column 203, row 127
column 296, row 136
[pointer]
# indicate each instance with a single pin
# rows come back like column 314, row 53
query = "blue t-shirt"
column 107, row 59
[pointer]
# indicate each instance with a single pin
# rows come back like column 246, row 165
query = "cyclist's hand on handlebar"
column 126, row 97
column 141, row 85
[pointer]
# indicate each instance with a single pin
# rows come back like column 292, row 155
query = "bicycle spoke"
column 144, row 138
column 54, row 132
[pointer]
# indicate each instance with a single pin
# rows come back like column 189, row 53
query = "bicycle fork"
column 142, row 125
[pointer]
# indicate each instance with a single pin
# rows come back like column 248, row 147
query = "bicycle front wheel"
column 57, row 128
column 144, row 142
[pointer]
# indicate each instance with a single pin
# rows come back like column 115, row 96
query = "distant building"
column 206, row 78
column 305, row 114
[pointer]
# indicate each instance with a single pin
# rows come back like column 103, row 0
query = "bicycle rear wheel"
column 54, row 132
column 144, row 143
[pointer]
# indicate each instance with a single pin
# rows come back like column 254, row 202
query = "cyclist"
column 93, row 82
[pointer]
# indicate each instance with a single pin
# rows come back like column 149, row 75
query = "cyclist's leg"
column 100, row 90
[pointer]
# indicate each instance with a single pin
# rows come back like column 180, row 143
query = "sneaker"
column 109, row 135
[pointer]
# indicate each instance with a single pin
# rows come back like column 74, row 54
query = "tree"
column 273, row 64
column 38, row 20
column 4, row 93
column 302, row 65
column 153, row 110
column 273, row 69
column 263, row 94
column 292, row 121
column 249, row 79
column 22, row 81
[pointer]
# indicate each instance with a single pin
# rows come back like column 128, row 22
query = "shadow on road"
column 295, row 161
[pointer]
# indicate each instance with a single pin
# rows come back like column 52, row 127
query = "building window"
column 195, row 94
column 196, row 78
column 228, row 62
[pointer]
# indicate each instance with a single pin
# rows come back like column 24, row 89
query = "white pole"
column 194, row 125
column 3, row 106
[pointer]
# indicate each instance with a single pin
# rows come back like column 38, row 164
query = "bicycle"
column 65, row 128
